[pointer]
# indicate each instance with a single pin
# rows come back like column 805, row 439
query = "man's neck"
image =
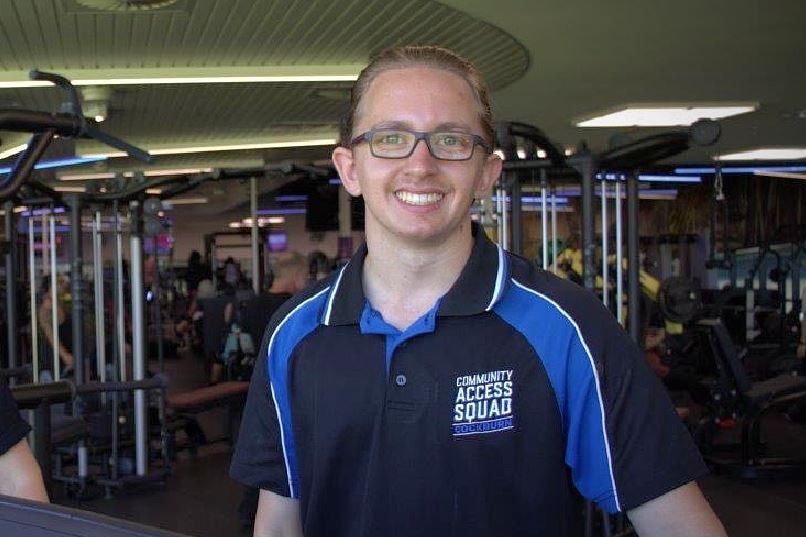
column 403, row 281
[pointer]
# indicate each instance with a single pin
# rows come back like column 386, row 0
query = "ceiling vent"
column 125, row 6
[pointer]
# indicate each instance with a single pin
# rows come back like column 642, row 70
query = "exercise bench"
column 187, row 405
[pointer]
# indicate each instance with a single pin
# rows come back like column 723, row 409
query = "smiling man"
column 437, row 385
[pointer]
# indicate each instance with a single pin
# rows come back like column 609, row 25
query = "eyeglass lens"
column 442, row 145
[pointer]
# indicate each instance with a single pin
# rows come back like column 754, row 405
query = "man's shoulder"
column 309, row 302
column 543, row 285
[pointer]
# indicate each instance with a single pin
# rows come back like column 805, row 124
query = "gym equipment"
column 70, row 122
column 40, row 397
column 679, row 299
column 187, row 405
column 736, row 397
column 624, row 160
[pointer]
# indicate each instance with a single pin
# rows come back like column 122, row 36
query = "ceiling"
column 547, row 61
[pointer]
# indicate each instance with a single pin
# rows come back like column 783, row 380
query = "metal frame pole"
column 587, row 223
column 633, row 258
column 544, row 217
column 504, row 222
column 12, row 319
column 138, row 337
column 34, row 317
column 619, row 257
column 517, row 215
column 605, row 287
column 98, row 280
column 77, row 287
column 54, row 300
column 554, row 230
column 256, row 283
column 120, row 306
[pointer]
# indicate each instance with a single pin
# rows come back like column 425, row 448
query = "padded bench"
column 186, row 405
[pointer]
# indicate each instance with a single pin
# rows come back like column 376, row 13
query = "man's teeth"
column 413, row 198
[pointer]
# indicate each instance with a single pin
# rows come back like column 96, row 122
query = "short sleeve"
column 12, row 427
column 647, row 449
column 258, row 460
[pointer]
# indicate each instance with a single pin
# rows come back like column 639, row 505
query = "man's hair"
column 419, row 56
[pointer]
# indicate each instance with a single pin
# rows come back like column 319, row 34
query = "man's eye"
column 391, row 139
column 451, row 140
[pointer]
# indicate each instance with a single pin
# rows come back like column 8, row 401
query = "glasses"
column 398, row 143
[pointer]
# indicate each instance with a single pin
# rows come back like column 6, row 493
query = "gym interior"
column 165, row 168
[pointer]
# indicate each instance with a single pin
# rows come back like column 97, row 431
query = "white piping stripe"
column 595, row 376
column 333, row 296
column 271, row 385
column 499, row 279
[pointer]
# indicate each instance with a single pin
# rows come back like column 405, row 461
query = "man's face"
column 419, row 198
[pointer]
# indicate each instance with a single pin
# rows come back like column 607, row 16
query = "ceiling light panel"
column 196, row 75
column 12, row 151
column 663, row 115
column 767, row 153
column 231, row 147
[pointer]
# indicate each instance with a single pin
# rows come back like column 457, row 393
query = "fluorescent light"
column 147, row 173
column 741, row 169
column 235, row 225
column 663, row 116
column 781, row 175
column 179, row 171
column 670, row 178
column 13, row 151
column 86, row 176
column 767, row 153
column 154, row 191
column 290, row 198
column 69, row 188
column 47, row 164
column 192, row 75
column 185, row 201
column 233, row 147
column 268, row 212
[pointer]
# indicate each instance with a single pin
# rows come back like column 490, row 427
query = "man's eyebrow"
column 453, row 126
column 393, row 125
column 405, row 125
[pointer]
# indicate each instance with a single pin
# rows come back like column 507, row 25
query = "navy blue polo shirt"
column 479, row 419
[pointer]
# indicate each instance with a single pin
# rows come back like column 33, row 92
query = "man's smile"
column 418, row 198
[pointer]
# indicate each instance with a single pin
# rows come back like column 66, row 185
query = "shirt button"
column 400, row 380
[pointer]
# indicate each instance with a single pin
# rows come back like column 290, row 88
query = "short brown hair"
column 419, row 56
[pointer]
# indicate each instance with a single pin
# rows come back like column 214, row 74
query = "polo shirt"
column 482, row 418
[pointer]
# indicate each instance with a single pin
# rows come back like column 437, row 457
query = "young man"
column 437, row 385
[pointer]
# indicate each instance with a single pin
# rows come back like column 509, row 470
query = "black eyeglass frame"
column 420, row 135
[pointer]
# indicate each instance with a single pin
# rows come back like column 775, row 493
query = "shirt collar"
column 480, row 285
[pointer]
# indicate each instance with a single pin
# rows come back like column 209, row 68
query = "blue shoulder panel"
column 290, row 330
column 569, row 364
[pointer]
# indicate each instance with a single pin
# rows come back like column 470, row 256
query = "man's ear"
column 489, row 175
column 344, row 162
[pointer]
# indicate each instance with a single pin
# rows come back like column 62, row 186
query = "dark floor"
column 200, row 500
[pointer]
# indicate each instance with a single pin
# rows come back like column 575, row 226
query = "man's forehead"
column 395, row 94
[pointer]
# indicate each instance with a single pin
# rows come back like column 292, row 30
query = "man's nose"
column 421, row 152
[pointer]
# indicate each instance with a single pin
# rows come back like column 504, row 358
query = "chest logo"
column 483, row 403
